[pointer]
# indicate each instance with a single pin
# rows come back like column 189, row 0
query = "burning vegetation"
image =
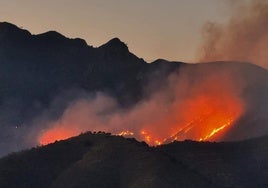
column 204, row 109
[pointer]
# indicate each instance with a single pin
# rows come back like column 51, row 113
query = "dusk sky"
column 152, row 29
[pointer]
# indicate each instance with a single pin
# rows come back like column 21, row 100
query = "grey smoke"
column 243, row 38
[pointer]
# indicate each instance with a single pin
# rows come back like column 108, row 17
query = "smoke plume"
column 212, row 102
column 243, row 38
column 191, row 106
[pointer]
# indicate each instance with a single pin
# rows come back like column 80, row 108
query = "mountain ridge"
column 37, row 70
column 41, row 75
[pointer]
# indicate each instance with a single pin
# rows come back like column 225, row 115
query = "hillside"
column 42, row 75
column 101, row 160
column 45, row 72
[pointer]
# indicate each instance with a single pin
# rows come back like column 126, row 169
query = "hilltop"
column 41, row 75
column 102, row 160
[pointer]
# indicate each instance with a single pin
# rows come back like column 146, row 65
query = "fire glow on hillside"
column 208, row 120
column 56, row 133
column 203, row 118
column 198, row 109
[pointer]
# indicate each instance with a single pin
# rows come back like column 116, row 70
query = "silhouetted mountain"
column 36, row 67
column 51, row 62
column 35, row 71
column 101, row 160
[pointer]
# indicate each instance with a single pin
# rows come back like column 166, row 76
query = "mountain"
column 44, row 73
column 38, row 67
column 102, row 160
column 37, row 70
column 50, row 62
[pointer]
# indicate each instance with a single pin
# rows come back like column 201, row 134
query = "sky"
column 152, row 29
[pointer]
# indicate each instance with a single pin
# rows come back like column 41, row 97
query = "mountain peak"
column 9, row 28
column 115, row 44
column 115, row 41
column 160, row 61
column 53, row 34
column 7, row 25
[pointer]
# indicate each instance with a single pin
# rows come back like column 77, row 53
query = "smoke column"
column 191, row 106
column 243, row 38
column 199, row 102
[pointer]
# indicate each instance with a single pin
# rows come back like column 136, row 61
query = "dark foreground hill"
column 101, row 160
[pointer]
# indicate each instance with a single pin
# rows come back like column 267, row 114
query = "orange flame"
column 125, row 133
column 205, row 113
column 209, row 119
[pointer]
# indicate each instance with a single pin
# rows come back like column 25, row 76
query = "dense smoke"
column 191, row 100
column 199, row 102
column 243, row 38
column 212, row 102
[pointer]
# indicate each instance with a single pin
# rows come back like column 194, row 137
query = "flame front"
column 206, row 118
column 125, row 133
column 202, row 112
column 214, row 131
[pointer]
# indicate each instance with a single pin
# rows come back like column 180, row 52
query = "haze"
column 152, row 29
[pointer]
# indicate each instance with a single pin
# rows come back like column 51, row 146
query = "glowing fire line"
column 215, row 131
column 125, row 133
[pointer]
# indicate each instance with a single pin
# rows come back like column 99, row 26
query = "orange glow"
column 206, row 115
column 125, row 133
column 214, row 131
column 205, row 112
column 205, row 118
column 214, row 115
column 56, row 134
column 149, row 138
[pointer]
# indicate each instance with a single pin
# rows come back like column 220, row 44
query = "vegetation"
column 102, row 160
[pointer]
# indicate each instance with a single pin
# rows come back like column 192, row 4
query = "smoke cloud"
column 191, row 106
column 243, row 38
column 205, row 102
column 201, row 102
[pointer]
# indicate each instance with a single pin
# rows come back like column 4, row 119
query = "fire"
column 202, row 112
column 204, row 117
column 125, row 133
column 214, row 131
column 216, row 117
column 147, row 137
column 211, row 123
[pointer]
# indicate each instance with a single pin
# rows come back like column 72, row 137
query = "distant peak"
column 160, row 61
column 9, row 27
column 52, row 34
column 58, row 37
column 115, row 43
